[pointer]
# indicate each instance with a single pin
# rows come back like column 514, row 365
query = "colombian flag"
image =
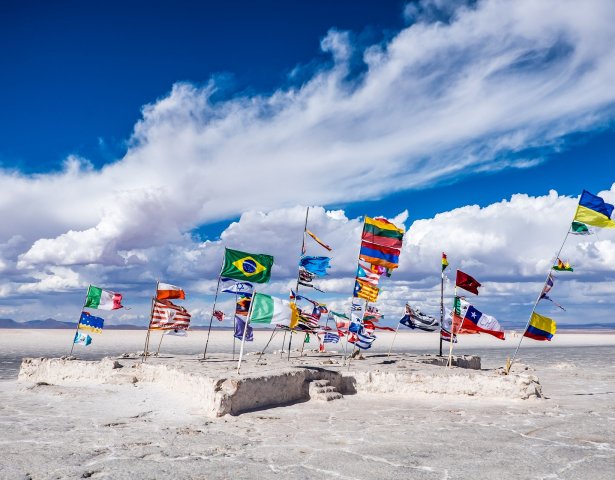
column 593, row 210
column 540, row 328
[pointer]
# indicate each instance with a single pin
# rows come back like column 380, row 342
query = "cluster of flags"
column 99, row 299
column 311, row 266
column 165, row 314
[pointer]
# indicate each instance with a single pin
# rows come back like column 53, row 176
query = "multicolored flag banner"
column 540, row 328
column 593, row 210
column 364, row 290
column 467, row 282
column 444, row 261
column 367, row 275
column 379, row 255
column 91, row 323
column 382, row 232
column 563, row 266
column 102, row 299
column 247, row 266
column 474, row 319
column 315, row 265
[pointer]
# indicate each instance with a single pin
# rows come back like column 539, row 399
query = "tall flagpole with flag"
column 591, row 210
column 149, row 324
column 444, row 265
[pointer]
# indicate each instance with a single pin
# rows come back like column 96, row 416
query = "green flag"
column 578, row 228
column 247, row 266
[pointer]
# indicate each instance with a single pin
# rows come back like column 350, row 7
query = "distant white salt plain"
column 143, row 431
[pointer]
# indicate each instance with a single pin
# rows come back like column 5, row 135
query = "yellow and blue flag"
column 593, row 210
column 91, row 323
column 540, row 328
column 255, row 267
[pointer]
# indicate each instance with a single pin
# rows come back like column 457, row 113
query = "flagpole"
column 151, row 316
column 263, row 350
column 79, row 321
column 452, row 339
column 214, row 307
column 307, row 212
column 235, row 323
column 441, row 306
column 394, row 336
column 509, row 366
column 159, row 343
column 245, row 329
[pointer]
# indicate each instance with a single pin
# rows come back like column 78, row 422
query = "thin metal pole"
column 450, row 350
column 303, row 344
column 159, row 343
column 307, row 212
column 245, row 329
column 151, row 316
column 283, row 343
column 290, row 341
column 79, row 321
column 441, row 307
column 263, row 350
column 394, row 336
column 212, row 317
column 234, row 324
column 538, row 299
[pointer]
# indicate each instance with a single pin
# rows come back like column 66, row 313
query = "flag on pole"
column 413, row 318
column 168, row 316
column 547, row 288
column 382, row 232
column 563, row 266
column 331, row 337
column 268, row 309
column 230, row 285
column 242, row 306
column 103, row 299
column 444, row 261
column 219, row 315
column 240, row 326
column 467, row 282
column 167, row 291
column 593, row 210
column 91, row 323
column 82, row 339
column 364, row 290
column 364, row 340
column 247, row 266
column 367, row 275
column 482, row 323
column 578, row 228
column 318, row 241
column 315, row 265
column 379, row 255
column 540, row 328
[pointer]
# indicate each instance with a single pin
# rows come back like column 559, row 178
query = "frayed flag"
column 82, row 339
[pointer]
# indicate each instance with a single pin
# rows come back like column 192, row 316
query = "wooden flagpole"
column 151, row 316
column 263, row 350
column 213, row 309
column 79, row 321
column 510, row 364
column 160, row 343
column 245, row 329
column 307, row 213
column 450, row 349
column 441, row 308
column 235, row 322
column 394, row 336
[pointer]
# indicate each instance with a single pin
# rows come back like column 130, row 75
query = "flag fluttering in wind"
column 331, row 337
column 247, row 266
column 91, row 323
column 382, row 232
column 593, row 210
column 379, row 255
column 474, row 319
column 563, row 266
column 219, row 315
column 103, row 299
column 168, row 316
column 315, row 265
column 364, row 340
column 230, row 285
column 413, row 318
column 578, row 228
column 467, row 282
column 82, row 339
column 166, row 291
column 366, row 291
column 444, row 261
column 547, row 288
column 240, row 326
column 366, row 274
column 540, row 328
column 268, row 309
column 318, row 241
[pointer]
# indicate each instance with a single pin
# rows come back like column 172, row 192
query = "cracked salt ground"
column 139, row 431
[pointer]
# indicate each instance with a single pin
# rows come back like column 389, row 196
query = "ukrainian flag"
column 540, row 328
column 593, row 210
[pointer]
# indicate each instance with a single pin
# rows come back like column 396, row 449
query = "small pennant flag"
column 563, row 266
column 444, row 261
column 318, row 241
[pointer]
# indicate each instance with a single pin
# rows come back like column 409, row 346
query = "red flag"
column 467, row 282
column 219, row 315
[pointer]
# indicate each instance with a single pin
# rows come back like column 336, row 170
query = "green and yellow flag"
column 254, row 267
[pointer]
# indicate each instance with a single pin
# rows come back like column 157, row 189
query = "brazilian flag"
column 254, row 267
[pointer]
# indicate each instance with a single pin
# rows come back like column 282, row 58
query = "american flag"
column 167, row 316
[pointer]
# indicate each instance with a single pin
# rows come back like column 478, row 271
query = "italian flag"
column 103, row 299
column 268, row 309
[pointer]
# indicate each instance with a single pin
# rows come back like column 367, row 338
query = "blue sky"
column 139, row 138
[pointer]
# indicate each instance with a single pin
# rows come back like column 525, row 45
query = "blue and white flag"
column 331, row 337
column 229, row 285
column 82, row 339
column 316, row 265
column 364, row 340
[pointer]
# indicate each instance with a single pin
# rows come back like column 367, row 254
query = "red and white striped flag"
column 167, row 316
